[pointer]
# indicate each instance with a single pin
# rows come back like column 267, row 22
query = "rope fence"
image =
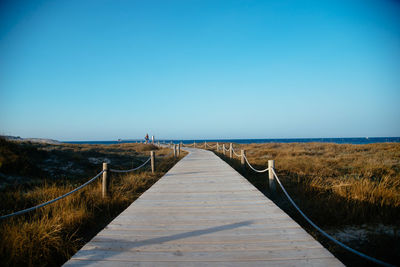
column 251, row 167
column 53, row 200
column 237, row 155
column 212, row 147
column 104, row 172
column 131, row 170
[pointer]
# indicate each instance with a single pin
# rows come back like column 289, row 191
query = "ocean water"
column 354, row 140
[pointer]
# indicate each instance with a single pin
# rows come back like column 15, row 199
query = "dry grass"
column 366, row 173
column 50, row 235
column 336, row 185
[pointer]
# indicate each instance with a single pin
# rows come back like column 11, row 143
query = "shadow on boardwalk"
column 94, row 255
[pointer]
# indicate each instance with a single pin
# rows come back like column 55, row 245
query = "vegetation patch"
column 51, row 235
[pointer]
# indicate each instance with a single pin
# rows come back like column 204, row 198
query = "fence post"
column 194, row 144
column 105, row 182
column 174, row 151
column 230, row 151
column 271, row 165
column 223, row 149
column 179, row 150
column 152, row 139
column 153, row 161
column 205, row 145
column 217, row 147
column 242, row 160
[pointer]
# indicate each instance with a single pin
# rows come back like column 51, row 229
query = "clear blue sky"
column 102, row 70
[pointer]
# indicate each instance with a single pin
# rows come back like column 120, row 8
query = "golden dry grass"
column 50, row 235
column 368, row 173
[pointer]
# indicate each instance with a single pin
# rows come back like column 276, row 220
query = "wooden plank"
column 286, row 263
column 106, row 243
column 119, row 235
column 203, row 213
column 179, row 255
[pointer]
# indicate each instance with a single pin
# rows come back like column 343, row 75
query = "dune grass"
column 337, row 186
column 51, row 235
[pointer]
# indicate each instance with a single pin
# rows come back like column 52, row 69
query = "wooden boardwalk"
column 203, row 213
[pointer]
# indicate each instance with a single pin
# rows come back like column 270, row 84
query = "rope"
column 226, row 149
column 238, row 155
column 260, row 171
column 326, row 234
column 212, row 147
column 131, row 170
column 51, row 201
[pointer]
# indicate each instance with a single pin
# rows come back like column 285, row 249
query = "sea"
column 351, row 140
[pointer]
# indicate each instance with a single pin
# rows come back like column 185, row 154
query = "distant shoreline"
column 350, row 140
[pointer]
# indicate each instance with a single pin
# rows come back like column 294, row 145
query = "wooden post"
column 153, row 161
column 179, row 150
column 105, row 182
column 230, row 151
column 194, row 144
column 217, row 147
column 152, row 139
column 242, row 160
column 174, row 151
column 271, row 165
column 205, row 145
column 223, row 149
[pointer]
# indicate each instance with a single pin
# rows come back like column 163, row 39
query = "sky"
column 103, row 70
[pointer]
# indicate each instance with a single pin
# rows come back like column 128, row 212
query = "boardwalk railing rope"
column 212, row 147
column 234, row 152
column 131, row 170
column 325, row 233
column 53, row 200
column 259, row 171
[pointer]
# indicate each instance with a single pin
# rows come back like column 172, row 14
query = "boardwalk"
column 203, row 213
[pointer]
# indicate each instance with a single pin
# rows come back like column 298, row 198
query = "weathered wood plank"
column 285, row 263
column 203, row 213
column 133, row 255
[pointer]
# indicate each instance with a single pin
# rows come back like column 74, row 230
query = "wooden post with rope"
column 271, row 166
column 242, row 159
column 153, row 161
column 105, row 181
